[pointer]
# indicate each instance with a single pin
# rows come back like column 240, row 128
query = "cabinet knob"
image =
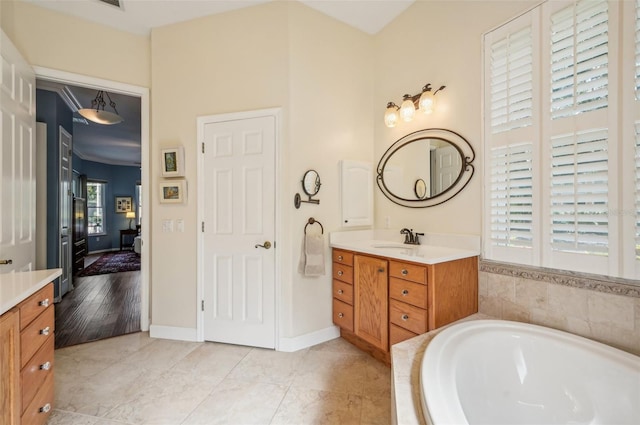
column 340, row 258
column 45, row 366
column 45, row 408
column 340, row 272
column 405, row 292
column 404, row 272
column 380, row 270
column 340, row 291
column 44, row 331
column 405, row 317
column 44, row 303
column 340, row 315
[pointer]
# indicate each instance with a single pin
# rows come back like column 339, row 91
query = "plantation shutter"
column 637, row 125
column 637, row 190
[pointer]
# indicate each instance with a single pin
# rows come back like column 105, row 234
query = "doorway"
column 71, row 79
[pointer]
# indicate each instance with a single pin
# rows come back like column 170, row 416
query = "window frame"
column 103, row 184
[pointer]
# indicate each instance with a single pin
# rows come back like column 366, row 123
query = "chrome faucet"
column 410, row 238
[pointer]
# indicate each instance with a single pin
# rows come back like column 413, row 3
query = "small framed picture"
column 173, row 191
column 173, row 162
column 124, row 204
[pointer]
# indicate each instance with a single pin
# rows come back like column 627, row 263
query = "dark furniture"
column 126, row 238
column 79, row 249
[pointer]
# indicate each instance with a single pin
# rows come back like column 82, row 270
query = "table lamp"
column 130, row 215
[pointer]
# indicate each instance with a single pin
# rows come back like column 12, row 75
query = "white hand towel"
column 312, row 256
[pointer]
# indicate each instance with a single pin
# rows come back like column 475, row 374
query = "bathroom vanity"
column 27, row 346
column 386, row 292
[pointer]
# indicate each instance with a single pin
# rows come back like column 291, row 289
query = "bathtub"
column 501, row 372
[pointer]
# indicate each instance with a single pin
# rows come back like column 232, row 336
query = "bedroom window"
column 96, row 207
column 556, row 183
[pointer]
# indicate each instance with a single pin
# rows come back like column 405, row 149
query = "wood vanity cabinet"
column 394, row 300
column 26, row 365
column 343, row 289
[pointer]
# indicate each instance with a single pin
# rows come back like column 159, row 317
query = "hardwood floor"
column 99, row 307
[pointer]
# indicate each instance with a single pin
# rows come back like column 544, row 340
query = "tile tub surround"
column 134, row 379
column 406, row 358
column 603, row 309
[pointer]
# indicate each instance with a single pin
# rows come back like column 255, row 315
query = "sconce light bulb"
column 391, row 116
column 407, row 109
column 427, row 102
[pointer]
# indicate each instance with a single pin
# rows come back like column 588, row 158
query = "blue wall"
column 51, row 110
column 121, row 181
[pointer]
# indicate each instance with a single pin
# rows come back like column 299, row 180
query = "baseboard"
column 307, row 340
column 103, row 250
column 172, row 332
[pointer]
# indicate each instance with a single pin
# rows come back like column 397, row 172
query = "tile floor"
column 133, row 379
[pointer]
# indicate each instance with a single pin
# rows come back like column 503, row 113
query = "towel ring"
column 313, row 221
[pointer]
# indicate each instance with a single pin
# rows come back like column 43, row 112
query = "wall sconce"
column 425, row 101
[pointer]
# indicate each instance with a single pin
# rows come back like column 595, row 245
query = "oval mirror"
column 311, row 182
column 425, row 168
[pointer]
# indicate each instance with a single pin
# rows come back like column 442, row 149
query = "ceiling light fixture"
column 424, row 101
column 97, row 113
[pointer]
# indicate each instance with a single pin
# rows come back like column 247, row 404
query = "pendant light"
column 97, row 113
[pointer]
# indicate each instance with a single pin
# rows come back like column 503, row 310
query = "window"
column 96, row 207
column 139, row 202
column 555, row 181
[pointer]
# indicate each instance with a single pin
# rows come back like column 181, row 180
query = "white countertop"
column 427, row 254
column 17, row 287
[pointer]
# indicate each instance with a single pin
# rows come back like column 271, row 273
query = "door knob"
column 266, row 245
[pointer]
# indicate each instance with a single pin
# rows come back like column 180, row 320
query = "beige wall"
column 437, row 42
column 52, row 40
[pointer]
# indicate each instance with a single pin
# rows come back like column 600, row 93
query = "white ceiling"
column 120, row 144
column 139, row 16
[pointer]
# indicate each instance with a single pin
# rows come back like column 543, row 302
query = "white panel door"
column 239, row 217
column 66, row 204
column 17, row 160
column 446, row 169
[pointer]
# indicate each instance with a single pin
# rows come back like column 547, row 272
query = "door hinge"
column 202, row 305
column 203, row 226
column 202, row 147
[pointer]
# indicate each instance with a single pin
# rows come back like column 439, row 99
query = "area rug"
column 113, row 262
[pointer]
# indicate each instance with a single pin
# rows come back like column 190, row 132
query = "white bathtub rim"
column 448, row 410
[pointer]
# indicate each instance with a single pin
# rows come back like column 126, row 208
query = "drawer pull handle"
column 340, row 258
column 45, row 366
column 404, row 272
column 44, row 331
column 44, row 303
column 340, row 272
column 405, row 317
column 45, row 408
column 405, row 292
column 341, row 315
column 340, row 291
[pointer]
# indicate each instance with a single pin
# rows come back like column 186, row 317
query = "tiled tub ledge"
column 406, row 358
column 608, row 285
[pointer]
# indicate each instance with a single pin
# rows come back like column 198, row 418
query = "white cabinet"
column 356, row 181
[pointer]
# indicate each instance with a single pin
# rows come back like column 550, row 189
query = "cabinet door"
column 371, row 301
column 356, row 193
column 10, row 368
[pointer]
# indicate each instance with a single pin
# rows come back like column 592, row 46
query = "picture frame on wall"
column 173, row 162
column 124, row 204
column 173, row 191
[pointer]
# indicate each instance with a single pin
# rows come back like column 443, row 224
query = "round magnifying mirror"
column 420, row 189
column 311, row 182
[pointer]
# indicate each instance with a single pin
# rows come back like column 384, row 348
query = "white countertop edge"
column 366, row 247
column 17, row 287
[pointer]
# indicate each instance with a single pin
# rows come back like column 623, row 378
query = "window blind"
column 579, row 192
column 511, row 196
column 579, row 58
column 511, row 81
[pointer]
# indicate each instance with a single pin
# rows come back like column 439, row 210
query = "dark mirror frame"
column 311, row 191
column 461, row 144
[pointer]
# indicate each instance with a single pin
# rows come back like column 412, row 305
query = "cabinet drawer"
column 343, row 315
column 408, row 271
column 343, row 257
column 343, row 273
column 36, row 334
column 35, row 304
column 36, row 371
column 398, row 334
column 38, row 411
column 343, row 291
column 408, row 317
column 408, row 292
